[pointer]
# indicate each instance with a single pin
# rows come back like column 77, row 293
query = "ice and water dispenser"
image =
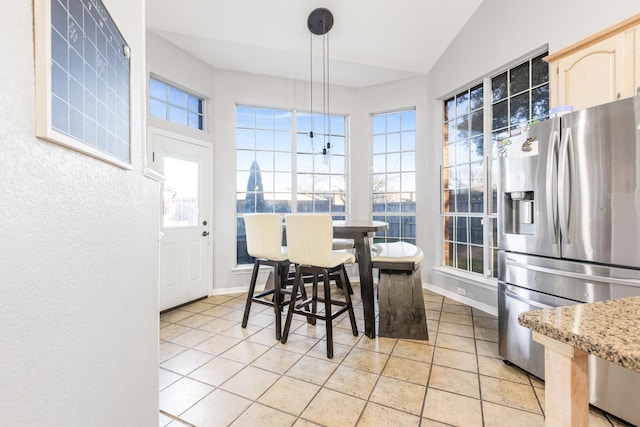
column 518, row 212
column 518, row 170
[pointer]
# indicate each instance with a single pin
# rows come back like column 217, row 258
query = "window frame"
column 489, row 215
column 168, row 104
column 401, row 213
column 300, row 124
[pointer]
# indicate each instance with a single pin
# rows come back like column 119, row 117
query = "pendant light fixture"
column 320, row 21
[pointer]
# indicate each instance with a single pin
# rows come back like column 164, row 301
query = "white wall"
column 498, row 33
column 78, row 258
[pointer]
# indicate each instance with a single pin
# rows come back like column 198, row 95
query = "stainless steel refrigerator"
column 569, row 232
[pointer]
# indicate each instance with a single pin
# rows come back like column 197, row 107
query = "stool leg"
column 352, row 316
column 314, row 298
column 302, row 290
column 277, row 300
column 292, row 304
column 252, row 287
column 349, row 287
column 327, row 313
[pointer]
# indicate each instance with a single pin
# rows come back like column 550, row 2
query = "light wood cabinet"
column 599, row 69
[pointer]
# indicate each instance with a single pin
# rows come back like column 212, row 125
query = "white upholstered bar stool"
column 309, row 243
column 264, row 243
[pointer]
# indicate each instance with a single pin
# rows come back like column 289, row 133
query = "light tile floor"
column 215, row 373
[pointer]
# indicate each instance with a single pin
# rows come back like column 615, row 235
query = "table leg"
column 363, row 250
column 566, row 383
column 284, row 275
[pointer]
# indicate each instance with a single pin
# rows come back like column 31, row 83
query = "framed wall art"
column 83, row 79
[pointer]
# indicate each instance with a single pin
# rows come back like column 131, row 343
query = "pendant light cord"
column 328, row 103
column 324, row 90
column 320, row 21
column 311, row 85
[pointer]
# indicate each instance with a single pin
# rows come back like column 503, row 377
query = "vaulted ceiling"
column 371, row 42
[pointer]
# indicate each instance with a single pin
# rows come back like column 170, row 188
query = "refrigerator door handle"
column 515, row 296
column 574, row 275
column 552, row 183
column 564, row 185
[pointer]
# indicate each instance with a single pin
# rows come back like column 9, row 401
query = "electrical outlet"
column 462, row 291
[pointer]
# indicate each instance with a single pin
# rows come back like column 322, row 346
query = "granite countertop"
column 607, row 329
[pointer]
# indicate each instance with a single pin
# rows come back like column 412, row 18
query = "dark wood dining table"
column 359, row 231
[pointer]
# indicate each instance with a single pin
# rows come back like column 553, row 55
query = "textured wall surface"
column 78, row 257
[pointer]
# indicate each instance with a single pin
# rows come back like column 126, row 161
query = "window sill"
column 472, row 279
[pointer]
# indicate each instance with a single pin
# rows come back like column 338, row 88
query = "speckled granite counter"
column 608, row 329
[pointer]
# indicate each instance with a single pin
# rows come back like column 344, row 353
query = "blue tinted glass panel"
column 195, row 121
column 245, row 159
column 303, row 122
column 408, row 120
column 282, row 141
column 378, row 124
column 177, row 97
column 158, row 109
column 264, row 119
column 408, row 140
column 379, row 143
column 177, row 115
column 282, row 121
column 245, row 139
column 194, row 104
column 337, row 125
column 246, row 117
column 393, row 122
column 157, row 89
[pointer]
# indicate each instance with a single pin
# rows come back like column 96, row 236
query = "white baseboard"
column 454, row 296
column 234, row 290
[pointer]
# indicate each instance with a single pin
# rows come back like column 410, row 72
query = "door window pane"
column 181, row 206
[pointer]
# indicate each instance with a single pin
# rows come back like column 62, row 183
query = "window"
column 394, row 174
column 280, row 168
column 463, row 180
column 175, row 105
column 514, row 97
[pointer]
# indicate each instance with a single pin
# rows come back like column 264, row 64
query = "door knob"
column 205, row 233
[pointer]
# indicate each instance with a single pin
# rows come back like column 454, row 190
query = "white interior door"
column 185, row 261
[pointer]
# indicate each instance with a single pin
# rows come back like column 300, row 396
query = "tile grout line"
column 475, row 345
column 433, row 355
